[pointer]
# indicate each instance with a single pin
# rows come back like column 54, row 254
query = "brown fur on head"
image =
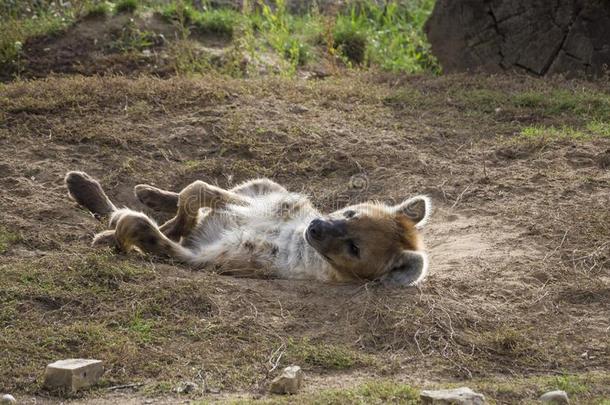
column 371, row 240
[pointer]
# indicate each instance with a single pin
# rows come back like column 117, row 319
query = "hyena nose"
column 316, row 229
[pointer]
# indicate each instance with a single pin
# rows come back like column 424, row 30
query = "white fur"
column 222, row 236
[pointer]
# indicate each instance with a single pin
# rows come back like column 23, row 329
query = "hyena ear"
column 417, row 209
column 409, row 268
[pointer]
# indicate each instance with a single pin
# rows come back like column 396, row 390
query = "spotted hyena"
column 260, row 226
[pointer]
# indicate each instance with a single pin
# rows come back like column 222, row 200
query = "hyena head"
column 374, row 241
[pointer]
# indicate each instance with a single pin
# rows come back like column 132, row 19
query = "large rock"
column 458, row 396
column 7, row 399
column 73, row 374
column 537, row 36
column 289, row 382
column 555, row 397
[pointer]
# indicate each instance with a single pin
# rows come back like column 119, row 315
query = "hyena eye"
column 354, row 250
column 349, row 213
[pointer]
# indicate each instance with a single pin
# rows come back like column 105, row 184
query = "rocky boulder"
column 540, row 37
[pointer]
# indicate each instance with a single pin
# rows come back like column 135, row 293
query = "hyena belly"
column 266, row 234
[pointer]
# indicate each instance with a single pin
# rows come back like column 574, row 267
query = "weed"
column 350, row 39
column 587, row 103
column 275, row 25
column 370, row 392
column 600, row 128
column 131, row 38
column 14, row 33
column 542, row 132
column 568, row 383
column 179, row 12
column 323, row 355
column 220, row 22
column 126, row 6
column 592, row 129
column 7, row 238
column 142, row 329
column 98, row 10
column 391, row 36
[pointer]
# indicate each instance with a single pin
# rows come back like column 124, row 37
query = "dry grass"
column 527, row 316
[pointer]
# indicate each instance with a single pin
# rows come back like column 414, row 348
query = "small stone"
column 298, row 109
column 8, row 399
column 555, row 397
column 186, row 387
column 458, row 396
column 289, row 382
column 73, row 374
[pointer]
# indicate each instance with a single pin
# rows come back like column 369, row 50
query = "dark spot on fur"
column 249, row 246
column 274, row 250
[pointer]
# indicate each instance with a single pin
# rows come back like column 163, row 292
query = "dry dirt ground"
column 517, row 301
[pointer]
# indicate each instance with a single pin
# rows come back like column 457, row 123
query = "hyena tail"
column 88, row 193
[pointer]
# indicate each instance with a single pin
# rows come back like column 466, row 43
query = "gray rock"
column 7, row 399
column 73, row 374
column 536, row 36
column 458, row 396
column 555, row 397
column 289, row 382
column 186, row 387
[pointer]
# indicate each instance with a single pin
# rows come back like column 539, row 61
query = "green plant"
column 568, row 383
column 276, row 27
column 131, row 38
column 15, row 32
column 350, row 37
column 179, row 12
column 101, row 9
column 126, row 6
column 7, row 238
column 217, row 21
column 390, row 36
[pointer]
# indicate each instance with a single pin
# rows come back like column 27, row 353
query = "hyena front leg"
column 256, row 187
column 167, row 201
column 157, row 199
column 195, row 196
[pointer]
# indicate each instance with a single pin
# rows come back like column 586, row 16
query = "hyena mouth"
column 314, row 245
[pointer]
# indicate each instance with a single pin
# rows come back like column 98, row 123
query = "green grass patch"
column 126, row 6
column 132, row 38
column 391, row 36
column 366, row 34
column 582, row 102
column 98, row 10
column 7, row 238
column 142, row 329
column 370, row 392
column 222, row 22
column 15, row 32
column 599, row 128
column 324, row 356
column 179, row 12
column 571, row 384
column 593, row 129
column 277, row 27
column 350, row 39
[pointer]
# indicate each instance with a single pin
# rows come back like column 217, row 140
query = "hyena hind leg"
column 136, row 230
column 88, row 193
